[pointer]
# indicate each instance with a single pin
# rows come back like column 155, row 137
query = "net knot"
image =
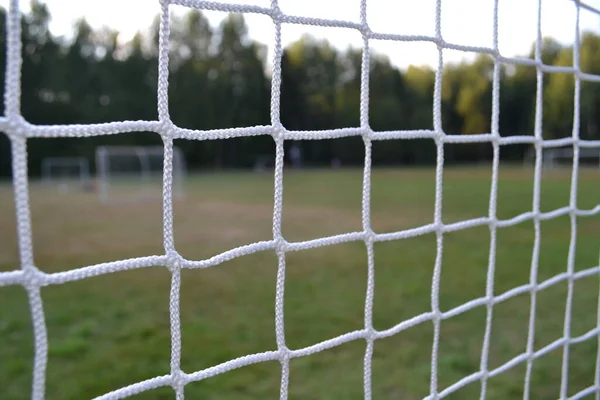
column 370, row 334
column 33, row 277
column 278, row 131
column 281, row 245
column 369, row 236
column 276, row 13
column 365, row 30
column 285, row 355
column 167, row 129
column 17, row 126
column 174, row 261
column 177, row 379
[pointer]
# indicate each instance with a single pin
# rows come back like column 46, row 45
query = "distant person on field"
column 295, row 156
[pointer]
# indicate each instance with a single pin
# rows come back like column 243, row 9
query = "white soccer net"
column 32, row 279
column 66, row 171
column 134, row 173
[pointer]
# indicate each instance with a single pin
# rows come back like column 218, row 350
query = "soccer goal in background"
column 66, row 172
column 135, row 173
column 563, row 157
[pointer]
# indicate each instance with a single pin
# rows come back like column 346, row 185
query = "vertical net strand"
column 572, row 210
column 537, row 183
column 284, row 357
column 493, row 205
column 437, row 269
column 366, row 202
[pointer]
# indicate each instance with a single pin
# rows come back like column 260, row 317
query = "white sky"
column 466, row 22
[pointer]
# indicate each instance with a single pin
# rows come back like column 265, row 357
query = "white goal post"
column 133, row 173
column 66, row 171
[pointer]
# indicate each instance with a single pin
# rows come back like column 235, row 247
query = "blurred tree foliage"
column 220, row 78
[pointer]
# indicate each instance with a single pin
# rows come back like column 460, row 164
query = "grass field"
column 110, row 331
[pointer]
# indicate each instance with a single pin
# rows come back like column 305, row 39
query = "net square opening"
column 98, row 200
column 256, row 381
column 549, row 326
column 335, row 278
column 518, row 102
column 550, row 313
column 517, row 31
column 228, row 198
column 555, row 239
column 259, row 3
column 516, row 181
column 100, row 74
column 466, row 99
column 403, row 284
column 459, row 352
column 582, row 366
column 319, row 81
column 565, row 31
column 477, row 32
column 465, row 260
column 545, row 378
column 588, row 197
column 322, row 188
column 589, row 126
column 466, row 181
column 559, row 104
column 17, row 335
column 473, row 158
column 588, row 17
column 9, row 251
column 402, row 184
column 312, row 376
column 585, row 287
column 402, row 18
column 557, row 174
column 588, row 45
column 401, row 85
column 560, row 97
column 401, row 365
column 327, row 9
column 508, row 384
column 230, row 309
column 514, row 255
column 587, row 251
column 217, row 69
column 584, row 308
column 508, row 339
column 93, row 322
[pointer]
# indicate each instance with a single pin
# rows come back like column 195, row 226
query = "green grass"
column 111, row 331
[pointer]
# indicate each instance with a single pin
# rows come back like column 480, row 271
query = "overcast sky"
column 467, row 22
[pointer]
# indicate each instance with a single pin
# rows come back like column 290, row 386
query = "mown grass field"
column 110, row 331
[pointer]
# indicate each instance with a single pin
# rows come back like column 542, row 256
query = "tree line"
column 219, row 78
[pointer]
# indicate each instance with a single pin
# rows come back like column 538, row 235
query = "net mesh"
column 33, row 279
